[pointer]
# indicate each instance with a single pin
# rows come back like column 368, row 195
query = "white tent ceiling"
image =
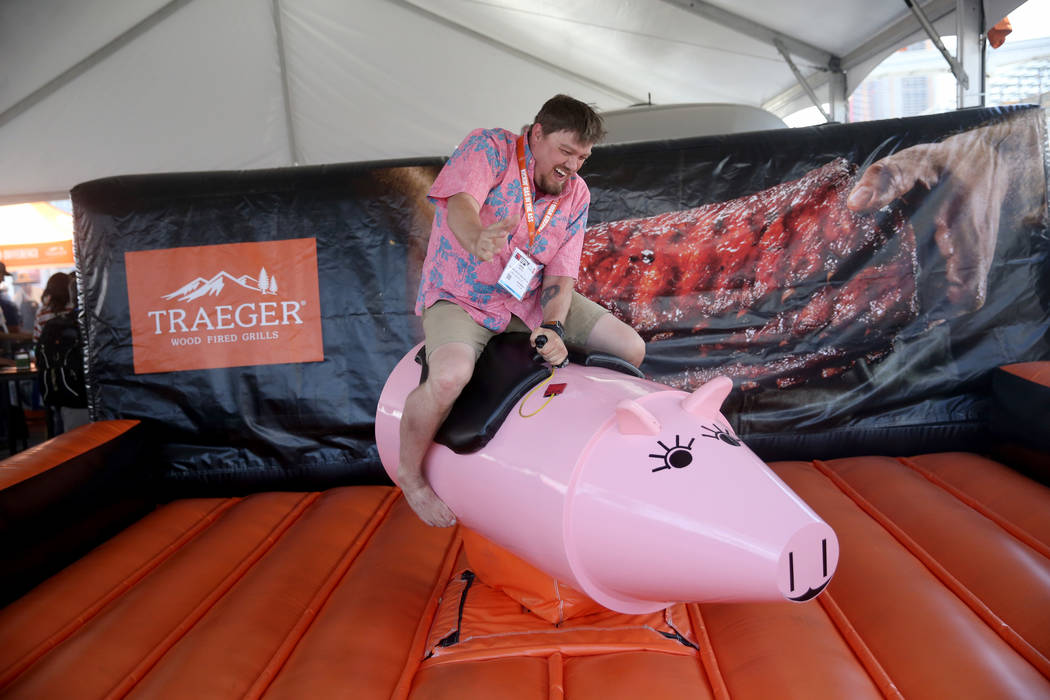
column 92, row 88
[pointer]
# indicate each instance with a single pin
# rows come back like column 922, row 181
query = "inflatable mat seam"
column 709, row 665
column 85, row 616
column 209, row 602
column 320, row 598
column 555, row 676
column 859, row 647
column 426, row 619
column 1015, row 531
column 968, row 597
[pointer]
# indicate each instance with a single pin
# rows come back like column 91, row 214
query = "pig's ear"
column 633, row 419
column 708, row 398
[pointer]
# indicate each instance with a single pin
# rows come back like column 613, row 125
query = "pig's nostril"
column 807, row 562
column 823, row 560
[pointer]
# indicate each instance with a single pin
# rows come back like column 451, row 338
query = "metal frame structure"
column 831, row 73
column 821, row 76
column 295, row 156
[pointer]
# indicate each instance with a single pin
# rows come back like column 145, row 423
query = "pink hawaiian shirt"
column 486, row 166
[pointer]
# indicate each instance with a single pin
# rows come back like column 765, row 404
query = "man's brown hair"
column 564, row 113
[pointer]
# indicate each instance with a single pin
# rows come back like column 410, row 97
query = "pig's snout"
column 808, row 562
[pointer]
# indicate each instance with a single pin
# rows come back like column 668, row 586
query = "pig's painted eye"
column 678, row 456
column 719, row 432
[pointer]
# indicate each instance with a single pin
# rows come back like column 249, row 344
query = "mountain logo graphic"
column 264, row 283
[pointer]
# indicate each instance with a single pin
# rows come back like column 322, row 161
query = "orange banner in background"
column 52, row 254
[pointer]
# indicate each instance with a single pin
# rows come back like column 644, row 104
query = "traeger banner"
column 188, row 311
column 858, row 282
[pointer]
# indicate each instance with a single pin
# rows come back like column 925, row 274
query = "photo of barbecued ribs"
column 781, row 285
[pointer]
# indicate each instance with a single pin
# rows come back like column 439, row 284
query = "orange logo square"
column 228, row 305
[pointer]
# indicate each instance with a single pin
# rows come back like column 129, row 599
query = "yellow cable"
column 521, row 405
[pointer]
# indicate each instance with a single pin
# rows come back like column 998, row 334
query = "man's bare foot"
column 430, row 509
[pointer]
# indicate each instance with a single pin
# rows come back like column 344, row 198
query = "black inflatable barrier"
column 860, row 388
column 1019, row 418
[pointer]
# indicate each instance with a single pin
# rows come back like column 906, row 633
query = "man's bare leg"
column 613, row 336
column 426, row 407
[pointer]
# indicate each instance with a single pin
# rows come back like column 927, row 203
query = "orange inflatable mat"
column 942, row 591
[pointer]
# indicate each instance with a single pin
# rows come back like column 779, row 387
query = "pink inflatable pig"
column 634, row 493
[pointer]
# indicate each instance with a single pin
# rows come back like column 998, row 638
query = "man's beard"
column 545, row 186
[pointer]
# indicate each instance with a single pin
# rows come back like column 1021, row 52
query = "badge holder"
column 518, row 274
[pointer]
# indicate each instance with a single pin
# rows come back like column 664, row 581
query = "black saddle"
column 507, row 368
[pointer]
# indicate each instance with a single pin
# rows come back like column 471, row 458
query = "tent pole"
column 897, row 34
column 293, row 148
column 800, row 78
column 747, row 27
column 970, row 51
column 838, row 97
column 931, row 32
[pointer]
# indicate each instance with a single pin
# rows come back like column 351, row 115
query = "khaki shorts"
column 447, row 322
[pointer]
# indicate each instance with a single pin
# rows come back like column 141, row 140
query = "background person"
column 12, row 316
column 12, row 338
column 55, row 300
column 60, row 349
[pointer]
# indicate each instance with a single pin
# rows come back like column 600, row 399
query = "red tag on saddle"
column 554, row 389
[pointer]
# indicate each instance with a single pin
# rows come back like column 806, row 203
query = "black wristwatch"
column 556, row 327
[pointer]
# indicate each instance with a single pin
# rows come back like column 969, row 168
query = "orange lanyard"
column 526, row 193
